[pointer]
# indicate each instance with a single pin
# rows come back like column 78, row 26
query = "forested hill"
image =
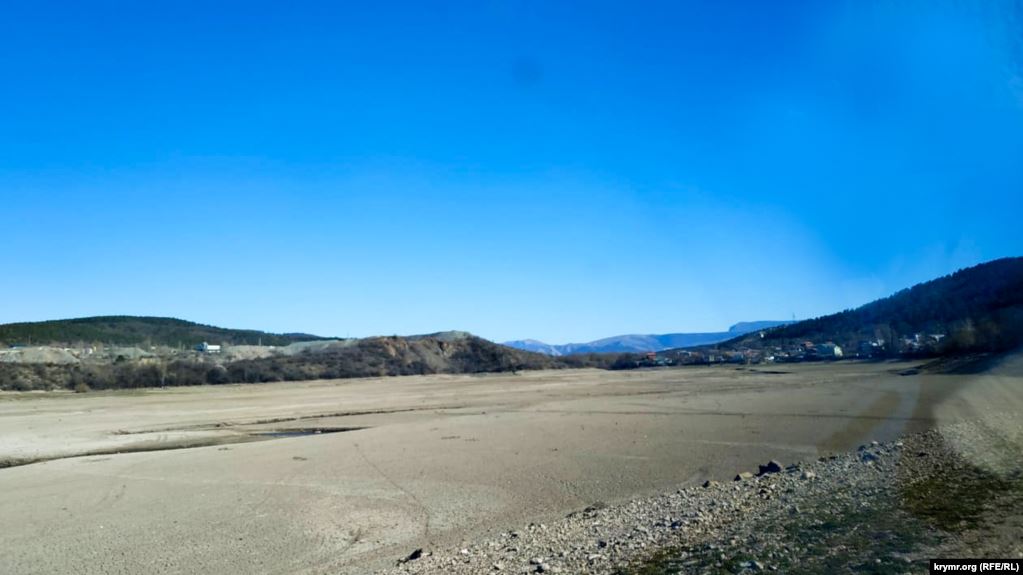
column 131, row 330
column 977, row 308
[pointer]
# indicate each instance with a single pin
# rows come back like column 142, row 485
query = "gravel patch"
column 54, row 355
column 956, row 491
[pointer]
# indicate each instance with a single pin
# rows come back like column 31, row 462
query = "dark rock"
column 412, row 556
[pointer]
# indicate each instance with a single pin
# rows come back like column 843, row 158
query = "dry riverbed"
column 235, row 479
column 885, row 508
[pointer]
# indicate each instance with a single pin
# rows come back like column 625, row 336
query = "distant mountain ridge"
column 643, row 342
column 137, row 330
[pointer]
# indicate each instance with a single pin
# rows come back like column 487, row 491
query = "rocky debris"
column 589, row 510
column 804, row 517
column 771, row 467
column 868, row 457
column 412, row 556
column 743, row 476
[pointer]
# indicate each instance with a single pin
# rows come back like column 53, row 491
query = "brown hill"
column 449, row 352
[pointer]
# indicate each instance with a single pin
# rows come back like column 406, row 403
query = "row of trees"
column 131, row 330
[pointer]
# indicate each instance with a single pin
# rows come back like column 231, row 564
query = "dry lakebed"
column 572, row 471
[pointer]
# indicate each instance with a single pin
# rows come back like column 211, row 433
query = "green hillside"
column 974, row 309
column 130, row 330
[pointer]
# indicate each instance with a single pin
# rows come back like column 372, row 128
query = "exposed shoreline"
column 794, row 520
column 431, row 462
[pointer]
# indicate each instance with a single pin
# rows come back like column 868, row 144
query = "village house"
column 207, row 348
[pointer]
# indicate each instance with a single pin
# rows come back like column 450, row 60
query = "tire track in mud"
column 714, row 413
column 399, row 487
column 881, row 410
column 273, row 420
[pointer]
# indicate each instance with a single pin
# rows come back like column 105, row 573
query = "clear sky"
column 557, row 170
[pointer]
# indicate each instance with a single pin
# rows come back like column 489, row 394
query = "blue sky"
column 515, row 169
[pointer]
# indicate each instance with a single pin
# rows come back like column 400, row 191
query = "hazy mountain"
column 744, row 327
column 534, row 346
column 643, row 342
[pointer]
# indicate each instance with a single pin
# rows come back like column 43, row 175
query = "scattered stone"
column 412, row 556
column 715, row 527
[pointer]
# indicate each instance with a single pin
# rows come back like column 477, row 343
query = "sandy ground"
column 440, row 459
